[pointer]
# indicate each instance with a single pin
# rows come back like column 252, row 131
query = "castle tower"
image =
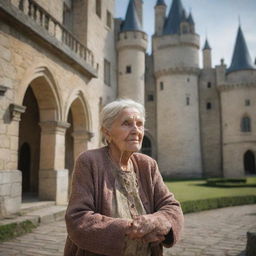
column 160, row 10
column 238, row 93
column 207, row 55
column 131, row 47
column 176, row 69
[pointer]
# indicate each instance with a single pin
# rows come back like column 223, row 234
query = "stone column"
column 53, row 178
column 81, row 138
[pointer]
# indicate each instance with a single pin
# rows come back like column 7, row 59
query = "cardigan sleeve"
column 87, row 229
column 167, row 209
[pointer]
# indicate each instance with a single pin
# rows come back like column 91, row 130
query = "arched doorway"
column 77, row 135
column 29, row 145
column 42, row 128
column 249, row 162
column 146, row 146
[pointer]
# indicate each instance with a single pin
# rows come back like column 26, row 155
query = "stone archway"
column 78, row 134
column 249, row 162
column 51, row 179
column 29, row 145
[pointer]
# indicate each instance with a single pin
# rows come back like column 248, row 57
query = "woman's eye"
column 125, row 123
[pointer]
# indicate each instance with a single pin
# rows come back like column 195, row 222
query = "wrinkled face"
column 127, row 131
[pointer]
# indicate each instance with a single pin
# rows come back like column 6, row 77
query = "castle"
column 62, row 61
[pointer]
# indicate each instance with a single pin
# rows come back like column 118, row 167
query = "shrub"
column 214, row 203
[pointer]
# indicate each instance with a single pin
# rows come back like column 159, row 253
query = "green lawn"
column 195, row 189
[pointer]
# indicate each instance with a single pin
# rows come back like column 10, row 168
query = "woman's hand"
column 147, row 228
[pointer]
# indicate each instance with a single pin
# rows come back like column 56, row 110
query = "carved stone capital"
column 16, row 111
column 53, row 127
column 82, row 135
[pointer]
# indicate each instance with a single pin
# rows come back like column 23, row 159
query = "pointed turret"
column 160, row 2
column 172, row 24
column 241, row 59
column 131, row 22
column 207, row 45
column 131, row 46
column 207, row 55
column 160, row 10
column 190, row 19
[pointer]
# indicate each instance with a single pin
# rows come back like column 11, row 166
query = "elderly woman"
column 119, row 204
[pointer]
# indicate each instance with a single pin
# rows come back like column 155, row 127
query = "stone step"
column 27, row 207
column 32, row 217
column 49, row 214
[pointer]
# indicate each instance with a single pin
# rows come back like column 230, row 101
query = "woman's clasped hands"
column 148, row 229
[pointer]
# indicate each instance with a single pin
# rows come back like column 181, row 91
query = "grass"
column 186, row 190
column 12, row 230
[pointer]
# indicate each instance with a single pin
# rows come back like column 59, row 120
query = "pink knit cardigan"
column 90, row 229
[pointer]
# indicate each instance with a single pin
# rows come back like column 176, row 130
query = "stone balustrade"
column 55, row 29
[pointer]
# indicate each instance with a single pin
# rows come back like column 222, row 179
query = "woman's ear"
column 107, row 135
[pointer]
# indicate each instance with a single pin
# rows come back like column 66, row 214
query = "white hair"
column 111, row 111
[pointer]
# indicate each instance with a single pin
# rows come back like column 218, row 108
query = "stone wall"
column 210, row 117
column 59, row 85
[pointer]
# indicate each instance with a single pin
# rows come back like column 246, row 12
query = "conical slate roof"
column 172, row 23
column 131, row 21
column 190, row 19
column 241, row 59
column 206, row 45
column 160, row 2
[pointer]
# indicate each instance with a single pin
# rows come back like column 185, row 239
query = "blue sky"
column 218, row 19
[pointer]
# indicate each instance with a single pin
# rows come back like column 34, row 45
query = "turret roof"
column 190, row 19
column 241, row 59
column 172, row 23
column 160, row 2
column 206, row 45
column 131, row 21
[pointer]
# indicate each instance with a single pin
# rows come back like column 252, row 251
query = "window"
column 187, row 101
column 208, row 105
column 98, row 8
column 107, row 70
column 161, row 86
column 109, row 19
column 246, row 124
column 128, row 69
column 150, row 97
column 247, row 102
column 209, row 85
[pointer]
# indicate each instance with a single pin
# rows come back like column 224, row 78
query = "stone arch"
column 77, row 114
column 48, row 176
column 249, row 162
column 79, row 106
column 46, row 90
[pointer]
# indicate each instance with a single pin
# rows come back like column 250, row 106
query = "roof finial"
column 239, row 20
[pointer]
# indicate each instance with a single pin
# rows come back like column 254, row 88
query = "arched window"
column 246, row 124
column 146, row 146
column 249, row 162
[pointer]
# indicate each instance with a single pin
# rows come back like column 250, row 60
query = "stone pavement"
column 220, row 232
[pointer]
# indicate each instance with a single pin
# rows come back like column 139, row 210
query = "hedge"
column 214, row 203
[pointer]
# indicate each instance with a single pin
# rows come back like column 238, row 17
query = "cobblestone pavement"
column 219, row 232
